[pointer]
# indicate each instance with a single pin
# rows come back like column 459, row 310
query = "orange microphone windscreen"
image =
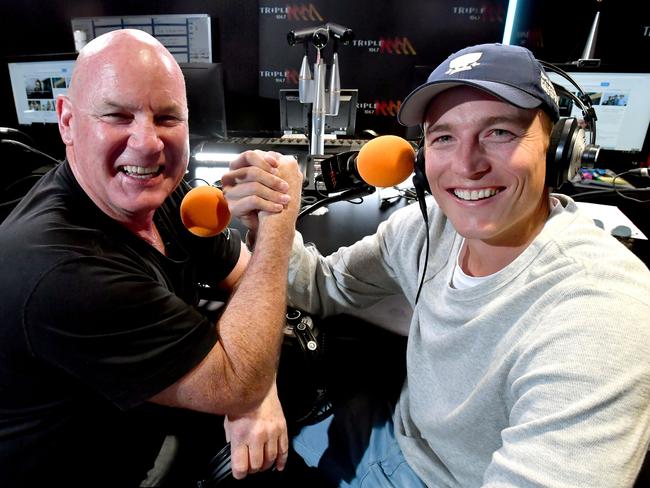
column 386, row 161
column 204, row 211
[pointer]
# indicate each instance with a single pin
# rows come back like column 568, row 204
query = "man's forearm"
column 239, row 370
column 251, row 327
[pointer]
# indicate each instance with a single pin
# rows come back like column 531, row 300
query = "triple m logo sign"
column 308, row 12
column 301, row 11
column 288, row 76
column 385, row 108
column 387, row 45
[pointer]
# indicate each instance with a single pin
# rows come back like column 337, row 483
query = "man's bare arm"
column 238, row 372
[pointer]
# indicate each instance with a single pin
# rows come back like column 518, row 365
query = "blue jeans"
column 356, row 447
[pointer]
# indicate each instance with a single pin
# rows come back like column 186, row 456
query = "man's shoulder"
column 48, row 216
column 45, row 196
column 410, row 218
column 53, row 224
column 585, row 262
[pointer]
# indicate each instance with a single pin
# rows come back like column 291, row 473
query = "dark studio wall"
column 43, row 26
column 394, row 47
column 250, row 42
column 557, row 31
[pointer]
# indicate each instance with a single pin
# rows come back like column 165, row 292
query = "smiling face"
column 485, row 162
column 124, row 123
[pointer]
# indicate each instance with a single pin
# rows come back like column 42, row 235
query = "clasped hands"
column 260, row 184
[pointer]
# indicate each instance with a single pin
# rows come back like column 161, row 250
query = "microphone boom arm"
column 345, row 195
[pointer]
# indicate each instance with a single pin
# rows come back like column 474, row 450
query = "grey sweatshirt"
column 537, row 376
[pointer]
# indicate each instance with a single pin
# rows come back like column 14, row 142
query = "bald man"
column 100, row 284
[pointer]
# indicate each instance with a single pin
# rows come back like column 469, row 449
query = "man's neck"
column 483, row 257
column 151, row 235
column 480, row 259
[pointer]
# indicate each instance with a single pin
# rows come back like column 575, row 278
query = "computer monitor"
column 205, row 99
column 622, row 105
column 294, row 116
column 36, row 81
column 345, row 121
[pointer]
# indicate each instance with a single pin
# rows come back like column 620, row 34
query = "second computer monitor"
column 205, row 99
column 295, row 116
column 622, row 105
column 36, row 81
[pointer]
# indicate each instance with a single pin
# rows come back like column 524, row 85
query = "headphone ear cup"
column 564, row 152
column 420, row 181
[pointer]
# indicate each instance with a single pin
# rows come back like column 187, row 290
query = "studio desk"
column 340, row 223
column 343, row 223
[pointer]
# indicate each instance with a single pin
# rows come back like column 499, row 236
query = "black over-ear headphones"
column 568, row 143
column 566, row 147
column 420, row 181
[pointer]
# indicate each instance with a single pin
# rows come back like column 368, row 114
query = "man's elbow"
column 247, row 393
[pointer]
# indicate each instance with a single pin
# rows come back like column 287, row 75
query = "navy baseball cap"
column 510, row 73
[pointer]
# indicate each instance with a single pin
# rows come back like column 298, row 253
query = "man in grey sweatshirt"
column 528, row 360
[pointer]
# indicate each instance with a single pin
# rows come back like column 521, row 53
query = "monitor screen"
column 205, row 99
column 344, row 122
column 294, row 116
column 35, row 82
column 622, row 105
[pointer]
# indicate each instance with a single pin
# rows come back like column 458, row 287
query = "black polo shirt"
column 93, row 322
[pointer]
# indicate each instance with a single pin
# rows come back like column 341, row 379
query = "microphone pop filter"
column 204, row 211
column 386, row 161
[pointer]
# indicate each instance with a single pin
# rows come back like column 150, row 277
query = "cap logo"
column 463, row 63
column 547, row 86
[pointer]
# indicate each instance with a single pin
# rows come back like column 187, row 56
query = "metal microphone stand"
column 314, row 89
column 588, row 58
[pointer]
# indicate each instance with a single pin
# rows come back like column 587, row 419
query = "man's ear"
column 64, row 117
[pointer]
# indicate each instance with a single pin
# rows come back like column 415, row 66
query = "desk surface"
column 344, row 223
column 341, row 223
column 637, row 212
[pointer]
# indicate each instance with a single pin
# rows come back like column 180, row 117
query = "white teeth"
column 475, row 194
column 140, row 171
